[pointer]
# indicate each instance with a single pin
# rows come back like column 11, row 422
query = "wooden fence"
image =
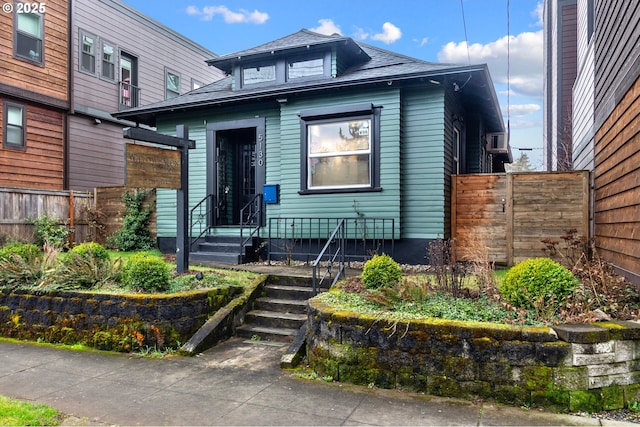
column 109, row 204
column 19, row 206
column 510, row 214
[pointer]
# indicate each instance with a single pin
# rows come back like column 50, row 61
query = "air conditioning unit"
column 496, row 142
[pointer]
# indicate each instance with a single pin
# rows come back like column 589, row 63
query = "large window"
column 254, row 75
column 28, row 37
column 172, row 83
column 13, row 119
column 87, row 53
column 305, row 68
column 108, row 69
column 340, row 150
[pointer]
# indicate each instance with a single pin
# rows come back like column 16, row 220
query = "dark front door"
column 235, row 173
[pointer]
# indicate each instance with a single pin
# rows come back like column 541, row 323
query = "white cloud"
column 327, row 27
column 242, row 16
column 523, row 109
column 390, row 34
column 525, row 53
column 538, row 13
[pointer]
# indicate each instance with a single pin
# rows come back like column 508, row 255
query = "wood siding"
column 511, row 214
column 422, row 164
column 616, row 54
column 617, row 184
column 96, row 151
column 40, row 164
column 50, row 79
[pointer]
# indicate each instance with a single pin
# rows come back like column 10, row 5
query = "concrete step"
column 216, row 257
column 275, row 319
column 300, row 293
column 281, row 305
column 266, row 333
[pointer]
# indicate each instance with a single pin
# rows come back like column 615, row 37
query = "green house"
column 309, row 129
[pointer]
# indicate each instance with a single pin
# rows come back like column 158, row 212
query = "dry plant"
column 480, row 264
column 450, row 275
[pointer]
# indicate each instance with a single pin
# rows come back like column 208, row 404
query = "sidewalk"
column 235, row 383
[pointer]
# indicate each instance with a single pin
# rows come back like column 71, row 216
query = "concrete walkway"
column 235, row 383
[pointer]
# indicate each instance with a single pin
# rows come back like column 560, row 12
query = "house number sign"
column 260, row 151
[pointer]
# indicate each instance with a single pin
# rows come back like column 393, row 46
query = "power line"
column 466, row 39
column 508, row 75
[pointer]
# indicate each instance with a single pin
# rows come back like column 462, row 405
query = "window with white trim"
column 340, row 150
column 87, row 52
column 172, row 81
column 28, row 36
column 108, row 69
column 13, row 119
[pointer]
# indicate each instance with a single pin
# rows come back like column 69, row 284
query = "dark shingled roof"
column 366, row 65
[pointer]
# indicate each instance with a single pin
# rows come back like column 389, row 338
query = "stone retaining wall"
column 568, row 368
column 120, row 322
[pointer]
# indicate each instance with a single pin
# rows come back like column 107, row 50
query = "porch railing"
column 250, row 221
column 128, row 95
column 200, row 218
column 303, row 238
column 333, row 251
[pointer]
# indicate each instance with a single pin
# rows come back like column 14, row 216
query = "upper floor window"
column 108, row 61
column 172, row 81
column 13, row 119
column 259, row 74
column 305, row 68
column 28, row 37
column 87, row 53
column 129, row 90
column 340, row 150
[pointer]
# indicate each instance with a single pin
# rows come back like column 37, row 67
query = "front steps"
column 279, row 314
column 220, row 250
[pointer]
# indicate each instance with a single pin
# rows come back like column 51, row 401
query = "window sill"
column 340, row 191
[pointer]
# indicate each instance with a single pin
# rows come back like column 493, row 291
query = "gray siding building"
column 120, row 59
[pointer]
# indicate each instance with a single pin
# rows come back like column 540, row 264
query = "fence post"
column 509, row 219
column 72, row 220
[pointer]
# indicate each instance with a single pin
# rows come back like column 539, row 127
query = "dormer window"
column 259, row 74
column 305, row 68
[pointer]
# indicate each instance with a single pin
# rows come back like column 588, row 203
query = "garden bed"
column 581, row 367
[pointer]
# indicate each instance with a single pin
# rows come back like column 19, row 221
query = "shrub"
column 537, row 279
column 87, row 265
column 51, row 231
column 134, row 234
column 380, row 271
column 91, row 250
column 143, row 271
column 26, row 251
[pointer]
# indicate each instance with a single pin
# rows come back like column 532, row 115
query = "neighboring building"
column 346, row 130
column 34, row 94
column 606, row 126
column 120, row 59
column 65, row 68
column 560, row 65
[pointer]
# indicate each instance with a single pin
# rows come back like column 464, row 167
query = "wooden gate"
column 510, row 214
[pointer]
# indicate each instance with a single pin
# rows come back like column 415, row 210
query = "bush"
column 91, row 250
column 26, row 251
column 143, row 271
column 381, row 271
column 134, row 234
column 51, row 231
column 534, row 280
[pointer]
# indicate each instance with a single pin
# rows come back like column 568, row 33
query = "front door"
column 235, row 173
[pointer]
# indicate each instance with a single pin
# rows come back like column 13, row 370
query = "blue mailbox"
column 271, row 193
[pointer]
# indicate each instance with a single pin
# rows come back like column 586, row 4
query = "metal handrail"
column 338, row 252
column 253, row 213
column 204, row 208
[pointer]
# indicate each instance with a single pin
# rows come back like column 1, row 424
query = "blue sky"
column 432, row 30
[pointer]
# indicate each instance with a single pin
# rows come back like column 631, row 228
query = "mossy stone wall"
column 568, row 368
column 119, row 322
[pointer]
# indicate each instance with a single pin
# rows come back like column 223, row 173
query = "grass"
column 19, row 413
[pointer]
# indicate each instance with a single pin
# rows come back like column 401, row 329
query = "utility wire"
column 508, row 75
column 466, row 39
